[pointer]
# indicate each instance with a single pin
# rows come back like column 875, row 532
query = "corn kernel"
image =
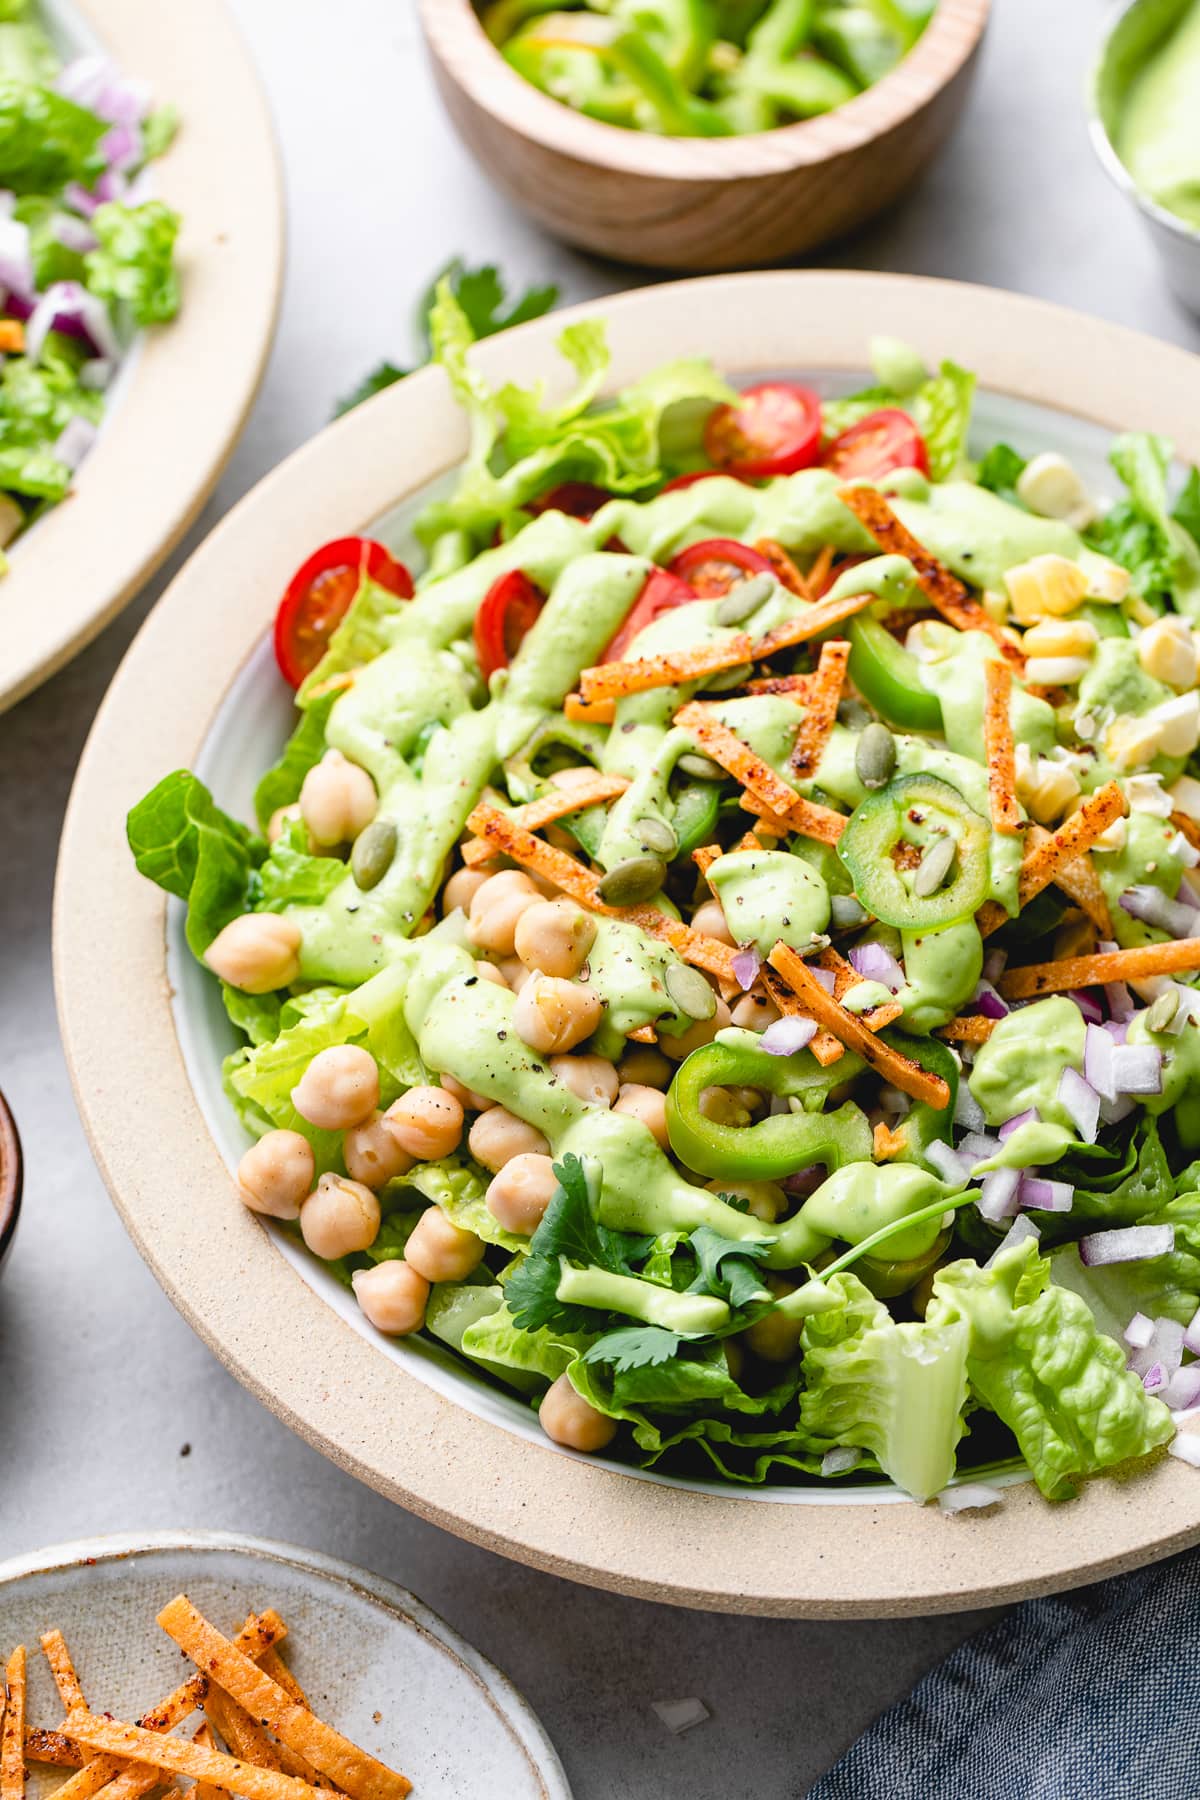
column 1112, row 838
column 1131, row 741
column 1046, row 789
column 1178, row 724
column 1166, row 651
column 996, row 607
column 1056, row 671
column 1060, row 637
column 1050, row 486
column 1107, row 580
column 1184, row 795
column 1045, row 584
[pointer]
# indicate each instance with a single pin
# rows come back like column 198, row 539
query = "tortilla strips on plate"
column 354, row 1771
column 176, row 1756
column 51, row 1747
column 825, row 1047
column 243, row 1736
column 999, row 749
column 783, row 568
column 204, row 1790
column 798, row 685
column 1079, row 881
column 845, row 977
column 933, row 578
column 550, row 808
column 1055, row 851
column 12, row 1733
column 706, row 855
column 821, row 713
column 612, row 681
column 783, row 802
column 968, row 1028
column 1136, row 964
column 54, row 1648
column 896, row 1068
column 589, row 712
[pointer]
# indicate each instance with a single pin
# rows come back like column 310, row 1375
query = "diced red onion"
column 74, row 441
column 8, row 201
column 112, row 185
column 1133, row 1243
column 95, row 82
column 1113, row 1111
column 1082, row 1102
column 1185, row 1446
column 999, row 1195
column 1137, row 1069
column 989, row 1002
column 80, row 200
column 1046, row 1196
column 826, row 977
column 1165, row 1347
column 1118, row 1029
column 967, row 1495
column 1155, row 1379
column 67, row 306
column 1097, row 1061
column 1183, row 1390
column 978, row 1146
column 96, row 373
column 1191, row 1336
column 840, row 1461
column 74, row 233
column 948, row 1163
column 786, row 1036
column 804, row 1182
column 967, row 1111
column 16, row 259
column 745, row 963
column 1152, row 907
column 876, row 963
column 1119, row 1000
column 1088, row 1005
column 1028, row 1117
column 994, row 964
column 1021, row 1228
column 1139, row 1331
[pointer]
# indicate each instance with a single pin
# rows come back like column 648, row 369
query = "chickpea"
column 697, row 1035
column 498, row 1135
column 555, row 937
column 590, row 1078
column 487, row 971
column 339, row 1088
column 392, row 1296
column 765, row 1200
column 710, row 919
column 373, row 1153
column 754, row 1012
column 276, row 1174
column 648, row 1105
column 439, row 1251
column 775, row 1338
column 280, row 819
column 467, row 1098
column 552, row 1015
column 568, row 1419
column 514, row 972
column 427, row 1122
column 337, row 800
column 644, row 1066
column 518, row 1196
column 257, row 953
column 338, row 1217
column 462, row 888
column 496, row 907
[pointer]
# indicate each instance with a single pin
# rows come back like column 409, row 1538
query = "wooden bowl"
column 11, row 1180
column 702, row 203
column 199, row 689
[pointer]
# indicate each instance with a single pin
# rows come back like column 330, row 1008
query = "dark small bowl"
column 11, row 1178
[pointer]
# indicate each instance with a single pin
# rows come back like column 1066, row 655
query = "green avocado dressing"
column 1022, row 1062
column 767, row 895
column 1144, row 860
column 1157, row 131
column 953, row 665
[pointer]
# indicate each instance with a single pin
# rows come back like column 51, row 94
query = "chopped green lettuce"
column 497, row 1339
column 1139, row 532
column 281, row 784
column 291, row 877
column 46, row 140
column 37, row 402
column 459, row 1188
column 133, row 269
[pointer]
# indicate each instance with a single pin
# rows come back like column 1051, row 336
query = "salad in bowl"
column 718, row 948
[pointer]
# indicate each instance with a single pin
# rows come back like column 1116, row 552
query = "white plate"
column 373, row 1661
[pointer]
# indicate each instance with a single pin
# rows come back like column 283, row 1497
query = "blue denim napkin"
column 1086, row 1696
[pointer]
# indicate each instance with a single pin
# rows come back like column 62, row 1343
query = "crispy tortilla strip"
column 821, row 715
column 899, row 1070
column 968, row 1028
column 767, row 820
column 12, row 336
column 1055, row 851
column 1188, row 827
column 783, row 802
column 204, row 1790
column 933, row 578
column 845, row 977
column 333, row 684
column 51, row 1747
column 353, row 1770
column 589, row 712
column 1079, row 881
column 784, row 569
column 54, row 1648
column 818, row 574
column 243, row 1736
column 1137, row 964
column 825, row 1047
column 12, row 1732
column 706, row 856
column 549, row 809
column 179, row 1757
column 798, row 685
column 272, row 1664
column 614, row 680
column 645, row 1034
column 999, row 750
column 888, row 1143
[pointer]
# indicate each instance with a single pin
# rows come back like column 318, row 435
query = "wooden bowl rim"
column 466, row 54
column 12, row 1175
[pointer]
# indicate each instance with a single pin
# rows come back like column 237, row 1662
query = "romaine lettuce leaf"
column 459, row 1187
column 182, row 840
column 1162, row 1287
column 281, row 784
column 496, row 1338
column 255, row 1014
column 363, row 634
column 291, row 877
column 46, row 140
column 1160, row 554
column 133, row 268
column 940, row 409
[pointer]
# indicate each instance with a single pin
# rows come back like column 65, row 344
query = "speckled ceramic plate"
column 144, row 1029
column 373, row 1660
column 183, row 394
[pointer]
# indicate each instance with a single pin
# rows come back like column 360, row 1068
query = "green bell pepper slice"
column 697, row 809
column 776, row 1146
column 925, row 1124
column 904, row 811
column 888, row 677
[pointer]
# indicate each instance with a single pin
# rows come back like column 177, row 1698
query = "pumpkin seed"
column 1162, row 1011
column 746, row 598
column 845, row 911
column 690, row 992
column 700, row 768
column 657, row 835
column 934, row 867
column 730, row 678
column 373, row 852
column 875, row 756
column 636, row 879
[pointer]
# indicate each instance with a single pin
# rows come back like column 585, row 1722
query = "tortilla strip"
column 784, row 569
column 935, row 581
column 12, row 1732
column 821, row 716
column 888, row 1143
column 968, row 1028
column 54, row 1648
column 728, row 749
column 179, row 1757
column 825, row 1047
column 767, row 820
column 353, row 1770
column 243, row 1736
column 645, row 1034
column 589, row 712
column 1053, row 852
column 333, row 684
column 51, row 1747
column 706, row 856
column 204, row 1790
column 897, row 1069
column 845, row 977
column 549, row 808
column 818, row 573
column 1136, row 964
column 999, row 750
column 1079, row 881
column 1187, row 827
column 799, row 685
column 615, row 680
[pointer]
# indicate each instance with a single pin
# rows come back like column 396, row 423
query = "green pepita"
column 630, row 882
column 730, row 678
column 690, row 991
column 700, row 768
column 875, row 756
column 1161, row 1011
column 934, row 867
column 373, row 852
column 657, row 835
column 746, row 598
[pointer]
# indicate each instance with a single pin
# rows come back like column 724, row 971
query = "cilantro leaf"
column 385, row 375
column 634, row 1347
column 569, row 1231
column 728, row 1267
column 1000, row 469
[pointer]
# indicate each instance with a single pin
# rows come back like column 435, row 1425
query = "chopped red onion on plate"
column 1028, row 1117
column 967, row 1495
column 1046, row 1196
column 1133, row 1243
column 1021, row 1228
column 876, row 963
column 1082, row 1102
column 999, row 1196
column 745, row 963
column 786, row 1036
column 1139, row 1331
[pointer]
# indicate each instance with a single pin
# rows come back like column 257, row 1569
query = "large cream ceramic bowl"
column 181, row 399
column 144, row 1030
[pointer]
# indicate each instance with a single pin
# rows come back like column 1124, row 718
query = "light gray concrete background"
column 112, row 1415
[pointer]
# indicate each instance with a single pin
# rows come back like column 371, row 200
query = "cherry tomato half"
column 506, row 612
column 884, row 440
column 774, row 429
column 662, row 592
column 320, row 594
column 578, row 499
column 712, row 566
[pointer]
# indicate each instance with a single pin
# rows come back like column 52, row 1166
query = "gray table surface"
column 380, row 194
